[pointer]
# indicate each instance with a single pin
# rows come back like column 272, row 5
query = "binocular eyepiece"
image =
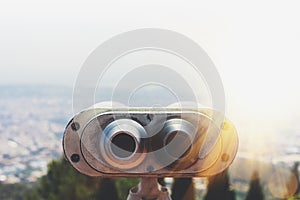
column 152, row 143
column 121, row 144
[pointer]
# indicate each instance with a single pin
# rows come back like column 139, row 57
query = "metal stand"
column 149, row 189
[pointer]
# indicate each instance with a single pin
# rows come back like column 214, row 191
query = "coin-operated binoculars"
column 150, row 144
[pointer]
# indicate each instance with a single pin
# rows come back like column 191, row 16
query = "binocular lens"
column 178, row 144
column 175, row 144
column 123, row 145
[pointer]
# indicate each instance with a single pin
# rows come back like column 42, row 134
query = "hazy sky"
column 255, row 47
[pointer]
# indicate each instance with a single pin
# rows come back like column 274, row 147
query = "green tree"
column 295, row 172
column 64, row 182
column 219, row 187
column 16, row 191
column 124, row 185
column 183, row 189
column 255, row 192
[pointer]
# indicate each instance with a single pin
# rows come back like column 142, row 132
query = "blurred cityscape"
column 32, row 121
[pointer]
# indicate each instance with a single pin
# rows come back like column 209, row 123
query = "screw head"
column 75, row 126
column 225, row 157
column 75, row 158
column 150, row 168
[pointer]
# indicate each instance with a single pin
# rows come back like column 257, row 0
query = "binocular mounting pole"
column 149, row 189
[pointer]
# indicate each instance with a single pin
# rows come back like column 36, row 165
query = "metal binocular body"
column 150, row 142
